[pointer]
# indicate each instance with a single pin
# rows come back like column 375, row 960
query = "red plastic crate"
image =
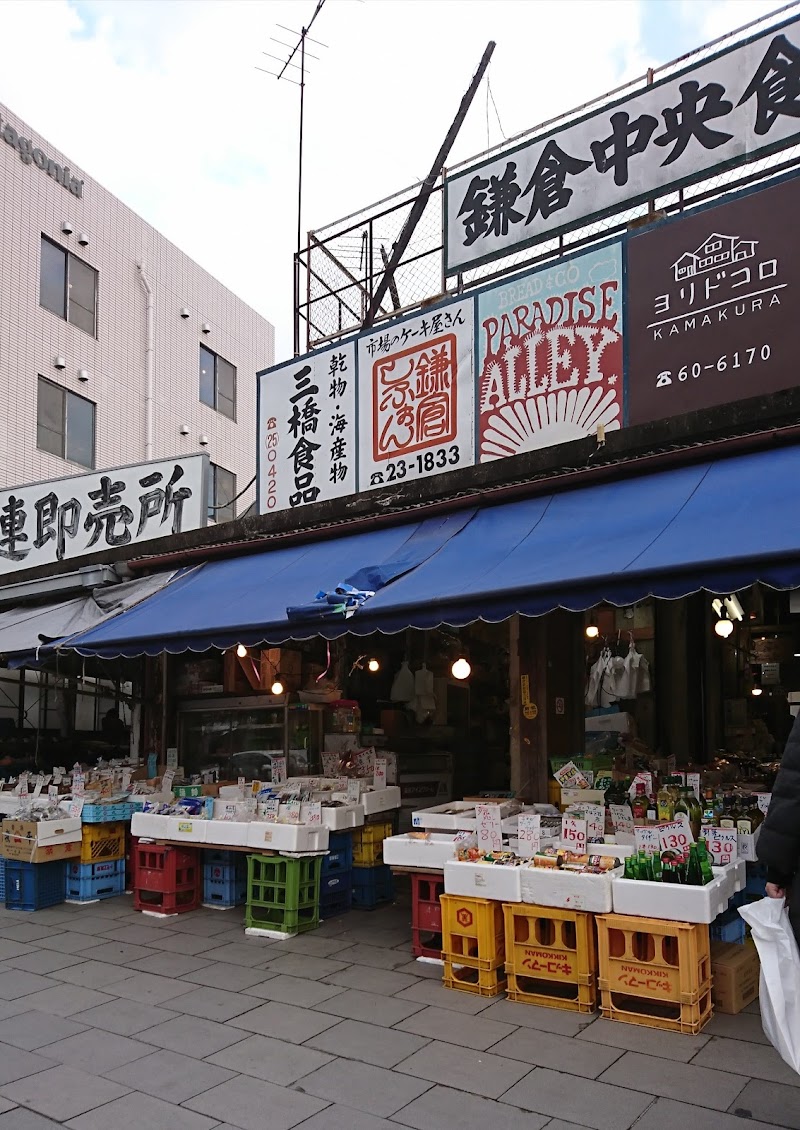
column 166, row 902
column 167, row 869
column 426, row 915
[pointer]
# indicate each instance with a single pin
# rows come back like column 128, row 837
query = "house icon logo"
column 715, row 251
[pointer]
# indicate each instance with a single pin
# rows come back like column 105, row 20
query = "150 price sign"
column 573, row 834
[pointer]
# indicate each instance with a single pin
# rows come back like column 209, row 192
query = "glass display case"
column 236, row 736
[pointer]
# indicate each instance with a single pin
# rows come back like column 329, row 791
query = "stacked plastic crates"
column 33, row 886
column 373, row 884
column 473, row 945
column 336, row 876
column 224, row 878
column 282, row 895
column 167, row 879
column 551, row 957
column 100, row 873
column 426, row 915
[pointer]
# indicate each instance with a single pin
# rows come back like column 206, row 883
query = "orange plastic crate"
column 482, row 982
column 472, row 931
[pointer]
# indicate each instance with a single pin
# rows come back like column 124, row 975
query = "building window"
column 221, row 494
column 217, row 383
column 65, row 424
column 68, row 287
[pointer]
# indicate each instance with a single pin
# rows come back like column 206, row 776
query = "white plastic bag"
column 780, row 976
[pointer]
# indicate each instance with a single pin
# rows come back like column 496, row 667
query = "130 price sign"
column 675, row 836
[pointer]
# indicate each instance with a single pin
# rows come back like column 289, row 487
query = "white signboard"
column 734, row 107
column 488, row 827
column 86, row 514
column 529, row 833
column 307, row 430
column 416, row 397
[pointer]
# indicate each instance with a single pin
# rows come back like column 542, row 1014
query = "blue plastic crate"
column 372, row 887
column 224, row 885
column 330, row 886
column 339, row 902
column 88, row 882
column 2, row 879
column 340, row 853
column 34, row 886
column 221, row 855
column 106, row 813
column 728, row 927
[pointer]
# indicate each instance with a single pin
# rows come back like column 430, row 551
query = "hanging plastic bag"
column 403, row 685
column 780, row 976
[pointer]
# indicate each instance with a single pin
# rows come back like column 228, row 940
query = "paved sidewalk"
column 110, row 1020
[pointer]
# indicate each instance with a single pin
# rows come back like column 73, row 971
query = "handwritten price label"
column 315, row 813
column 595, row 816
column 76, row 808
column 693, row 783
column 675, row 836
column 490, row 833
column 573, row 833
column 279, row 771
column 763, row 802
column 723, row 845
column 622, row 819
column 529, row 832
column 271, row 808
column 647, row 840
column 354, row 790
column 293, row 810
column 78, row 784
column 379, row 776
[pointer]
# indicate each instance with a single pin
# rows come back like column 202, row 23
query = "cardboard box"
column 32, row 841
column 735, row 971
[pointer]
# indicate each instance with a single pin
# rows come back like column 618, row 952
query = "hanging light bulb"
column 461, row 669
column 241, row 650
column 723, row 627
column 592, row 630
column 757, row 690
column 373, row 665
column 277, row 687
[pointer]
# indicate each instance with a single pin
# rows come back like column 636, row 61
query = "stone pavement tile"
column 558, row 1124
column 125, row 1018
column 704, row 1086
column 431, row 970
column 12, row 1008
column 14, row 984
column 138, row 935
column 250, row 954
column 32, row 1030
column 213, row 1004
column 666, row 1114
column 10, row 949
column 367, row 1088
column 294, row 990
column 355, row 1005
column 426, row 993
column 753, row 1060
column 108, row 908
column 17, row 1064
column 560, row 1021
column 309, row 944
column 204, row 925
column 188, row 944
column 451, row 1028
column 477, row 1072
column 580, row 1101
column 252, row 1104
column 649, row 1041
column 68, row 942
column 148, row 988
column 301, row 965
column 6, row 1105
column 20, row 1119
column 545, row 1049
column 345, row 1118
column 63, row 1000
column 137, row 1111
column 442, row 1108
column 770, row 1102
column 372, row 956
column 382, row 1047
column 41, row 961
column 189, row 1035
column 233, row 978
column 118, row 953
column 739, row 1027
column 63, row 1092
column 373, row 980
column 87, row 925
column 753, row 1009
column 92, row 974
column 165, row 964
column 24, row 931
column 96, row 1051
column 273, row 1060
column 54, row 918
column 284, row 1021
column 169, row 1076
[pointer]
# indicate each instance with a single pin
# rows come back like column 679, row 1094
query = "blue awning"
column 719, row 525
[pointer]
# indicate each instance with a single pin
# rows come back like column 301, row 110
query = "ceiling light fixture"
column 461, row 669
column 241, row 650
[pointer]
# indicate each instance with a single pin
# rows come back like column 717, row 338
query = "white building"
column 115, row 347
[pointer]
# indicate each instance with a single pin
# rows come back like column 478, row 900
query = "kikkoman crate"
column 368, row 844
column 654, row 972
column 426, row 915
column 482, row 982
column 551, row 957
column 472, row 932
column 101, row 843
column 282, row 894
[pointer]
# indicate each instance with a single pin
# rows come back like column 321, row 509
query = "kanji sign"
column 731, row 108
column 549, row 355
column 84, row 514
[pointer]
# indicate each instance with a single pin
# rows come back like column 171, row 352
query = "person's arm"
column 779, row 842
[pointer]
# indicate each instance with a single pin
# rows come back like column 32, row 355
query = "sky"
column 161, row 102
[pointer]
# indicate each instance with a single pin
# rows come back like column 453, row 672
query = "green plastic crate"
column 282, row 894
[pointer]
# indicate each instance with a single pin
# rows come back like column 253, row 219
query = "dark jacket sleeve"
column 779, row 843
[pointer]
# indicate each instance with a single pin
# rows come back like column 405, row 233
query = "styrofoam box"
column 286, row 837
column 568, row 890
column 221, row 805
column 340, row 819
column 149, row 825
column 482, row 880
column 430, row 854
column 443, row 819
column 618, row 850
column 227, row 833
column 381, row 800
column 674, row 901
column 187, row 829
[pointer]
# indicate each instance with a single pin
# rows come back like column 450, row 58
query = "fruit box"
column 45, row 841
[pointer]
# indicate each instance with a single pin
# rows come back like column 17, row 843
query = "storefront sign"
column 86, row 514
column 726, row 110
column 31, row 154
column 711, row 306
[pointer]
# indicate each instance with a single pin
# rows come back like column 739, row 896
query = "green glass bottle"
column 631, row 871
column 694, row 874
column 705, row 862
column 655, row 863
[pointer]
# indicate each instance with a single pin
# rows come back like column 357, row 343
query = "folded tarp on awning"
column 718, row 525
column 27, row 629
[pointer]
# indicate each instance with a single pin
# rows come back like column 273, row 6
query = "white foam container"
column 340, row 819
column 429, row 855
column 673, row 901
column 150, row 826
column 568, row 890
column 286, row 837
column 380, row 800
column 442, row 818
column 482, row 880
column 188, row 830
column 227, row 833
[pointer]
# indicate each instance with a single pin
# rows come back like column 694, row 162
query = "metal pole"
column 300, row 145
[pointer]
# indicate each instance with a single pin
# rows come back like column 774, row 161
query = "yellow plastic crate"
column 551, row 956
column 101, row 843
column 482, row 982
column 368, row 844
column 472, row 931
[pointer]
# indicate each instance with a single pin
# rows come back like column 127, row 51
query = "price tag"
column 279, row 771
column 490, row 833
column 647, row 840
column 763, row 802
column 271, row 808
column 595, row 816
column 52, row 792
column 293, row 810
column 166, row 781
column 379, row 777
column 231, row 811
column 573, row 833
column 705, row 831
column 314, row 811
column 340, row 785
column 330, row 763
column 675, row 836
column 693, row 783
column 38, row 786
column 529, row 831
column 58, row 775
column 242, row 783
column 589, row 775
column 622, row 819
column 78, row 784
column 22, row 785
column 723, row 846
column 76, row 808
column 354, row 790
column 569, row 776
column 126, row 779
column 364, row 761
column 172, row 757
